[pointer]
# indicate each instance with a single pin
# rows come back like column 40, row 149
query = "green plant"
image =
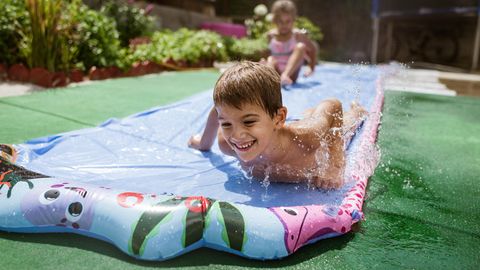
column 184, row 45
column 312, row 30
column 14, row 21
column 131, row 21
column 260, row 23
column 45, row 44
column 246, row 48
column 94, row 38
column 204, row 46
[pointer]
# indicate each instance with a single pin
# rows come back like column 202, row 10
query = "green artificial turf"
column 60, row 110
column 421, row 208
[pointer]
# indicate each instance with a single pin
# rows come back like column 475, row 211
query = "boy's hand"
column 194, row 142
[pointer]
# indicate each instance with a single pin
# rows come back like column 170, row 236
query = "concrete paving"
column 434, row 82
column 8, row 89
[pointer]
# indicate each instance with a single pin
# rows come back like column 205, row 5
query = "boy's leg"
column 339, row 128
column 295, row 61
column 329, row 117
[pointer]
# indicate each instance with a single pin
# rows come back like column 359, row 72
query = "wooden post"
column 388, row 53
column 376, row 29
column 376, row 24
column 477, row 40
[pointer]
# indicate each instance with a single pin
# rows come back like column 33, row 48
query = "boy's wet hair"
column 249, row 83
column 283, row 7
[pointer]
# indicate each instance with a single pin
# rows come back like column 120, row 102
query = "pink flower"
column 149, row 8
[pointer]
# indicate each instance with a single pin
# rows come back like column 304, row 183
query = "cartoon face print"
column 292, row 219
column 59, row 205
column 305, row 223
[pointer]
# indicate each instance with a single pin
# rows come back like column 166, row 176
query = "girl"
column 289, row 47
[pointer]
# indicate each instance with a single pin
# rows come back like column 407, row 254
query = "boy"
column 289, row 47
column 248, row 108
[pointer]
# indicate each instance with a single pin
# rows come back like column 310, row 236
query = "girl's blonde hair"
column 283, row 7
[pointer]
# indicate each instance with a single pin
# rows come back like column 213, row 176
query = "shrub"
column 204, row 46
column 94, row 39
column 246, row 49
column 131, row 21
column 14, row 21
column 312, row 30
column 192, row 47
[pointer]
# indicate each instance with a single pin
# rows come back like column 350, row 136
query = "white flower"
column 269, row 17
column 249, row 22
column 260, row 10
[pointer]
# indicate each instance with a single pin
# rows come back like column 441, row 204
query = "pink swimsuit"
column 281, row 51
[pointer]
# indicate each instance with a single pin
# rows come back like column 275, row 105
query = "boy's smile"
column 248, row 131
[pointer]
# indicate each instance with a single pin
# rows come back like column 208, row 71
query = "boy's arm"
column 204, row 142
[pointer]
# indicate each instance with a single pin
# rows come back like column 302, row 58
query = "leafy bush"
column 131, row 21
column 313, row 31
column 204, row 46
column 14, row 20
column 193, row 47
column 246, row 49
column 95, row 38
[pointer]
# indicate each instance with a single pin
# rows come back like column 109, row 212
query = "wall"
column 347, row 26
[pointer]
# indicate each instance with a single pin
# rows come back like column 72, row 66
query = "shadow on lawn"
column 199, row 257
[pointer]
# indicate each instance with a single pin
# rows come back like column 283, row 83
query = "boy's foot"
column 352, row 120
column 332, row 175
column 358, row 111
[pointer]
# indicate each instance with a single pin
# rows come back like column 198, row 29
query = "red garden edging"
column 19, row 72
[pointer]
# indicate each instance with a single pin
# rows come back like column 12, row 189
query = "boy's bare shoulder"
column 304, row 135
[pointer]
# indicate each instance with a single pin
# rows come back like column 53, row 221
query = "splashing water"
column 266, row 183
column 248, row 173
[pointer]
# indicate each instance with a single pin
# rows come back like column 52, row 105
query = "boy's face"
column 284, row 22
column 248, row 131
